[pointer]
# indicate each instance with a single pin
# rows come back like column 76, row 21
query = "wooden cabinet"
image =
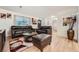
column 2, row 39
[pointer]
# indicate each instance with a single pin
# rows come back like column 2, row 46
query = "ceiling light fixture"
column 20, row 6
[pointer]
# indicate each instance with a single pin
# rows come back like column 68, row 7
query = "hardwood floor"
column 59, row 44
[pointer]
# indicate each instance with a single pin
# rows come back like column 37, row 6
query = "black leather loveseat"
column 19, row 30
column 45, row 30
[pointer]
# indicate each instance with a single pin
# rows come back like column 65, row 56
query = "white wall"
column 62, row 30
column 7, row 23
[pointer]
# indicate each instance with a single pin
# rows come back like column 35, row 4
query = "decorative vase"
column 70, row 34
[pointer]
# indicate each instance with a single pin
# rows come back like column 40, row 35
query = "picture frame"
column 9, row 15
column 34, row 21
column 2, row 15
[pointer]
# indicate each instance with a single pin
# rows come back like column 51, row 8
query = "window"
column 22, row 21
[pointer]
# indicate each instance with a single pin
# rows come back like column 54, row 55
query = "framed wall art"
column 9, row 15
column 2, row 15
column 34, row 21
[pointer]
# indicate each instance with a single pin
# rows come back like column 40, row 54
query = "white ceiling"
column 38, row 11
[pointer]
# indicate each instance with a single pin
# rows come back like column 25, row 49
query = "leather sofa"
column 45, row 30
column 17, row 31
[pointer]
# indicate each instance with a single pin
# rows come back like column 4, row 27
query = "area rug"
column 20, row 47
